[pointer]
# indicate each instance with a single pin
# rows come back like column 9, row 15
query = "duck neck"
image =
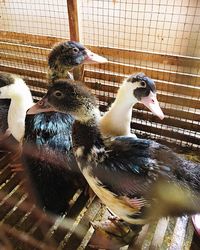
column 86, row 135
column 123, row 103
column 118, row 119
column 20, row 103
column 60, row 72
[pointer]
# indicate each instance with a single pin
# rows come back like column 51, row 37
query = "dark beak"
column 93, row 58
column 41, row 107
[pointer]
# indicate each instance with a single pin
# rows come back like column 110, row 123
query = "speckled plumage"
column 50, row 134
column 134, row 169
column 138, row 179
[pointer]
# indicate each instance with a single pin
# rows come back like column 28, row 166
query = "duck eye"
column 58, row 93
column 143, row 83
column 75, row 50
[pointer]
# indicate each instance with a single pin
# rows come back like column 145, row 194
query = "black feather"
column 49, row 160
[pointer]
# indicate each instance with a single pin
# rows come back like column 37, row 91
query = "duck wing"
column 130, row 166
column 163, row 159
column 140, row 171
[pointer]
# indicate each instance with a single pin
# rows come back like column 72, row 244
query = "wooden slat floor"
column 24, row 227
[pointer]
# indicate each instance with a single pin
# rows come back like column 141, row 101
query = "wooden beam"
column 165, row 75
column 73, row 19
column 49, row 41
column 160, row 85
column 167, row 133
column 23, row 72
column 29, row 39
column 170, row 121
column 170, row 59
column 21, row 48
column 10, row 57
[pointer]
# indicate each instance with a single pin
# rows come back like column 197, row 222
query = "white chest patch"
column 79, row 151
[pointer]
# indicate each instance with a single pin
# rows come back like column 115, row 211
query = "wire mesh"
column 25, row 28
column 139, row 33
column 160, row 38
column 45, row 17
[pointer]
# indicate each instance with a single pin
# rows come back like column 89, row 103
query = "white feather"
column 117, row 120
column 21, row 101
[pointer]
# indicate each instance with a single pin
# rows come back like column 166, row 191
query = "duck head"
column 6, row 81
column 68, row 96
column 11, row 86
column 67, row 55
column 141, row 88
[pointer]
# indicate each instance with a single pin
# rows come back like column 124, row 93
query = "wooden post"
column 74, row 32
column 73, row 19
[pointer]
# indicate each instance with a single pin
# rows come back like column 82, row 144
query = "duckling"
column 139, row 180
column 47, row 145
column 13, row 87
column 117, row 121
column 65, row 56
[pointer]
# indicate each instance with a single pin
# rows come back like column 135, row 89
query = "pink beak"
column 152, row 103
column 40, row 107
column 93, row 58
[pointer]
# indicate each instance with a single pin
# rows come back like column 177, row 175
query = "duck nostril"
column 152, row 100
column 40, row 103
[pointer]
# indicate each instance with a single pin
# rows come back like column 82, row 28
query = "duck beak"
column 93, row 58
column 152, row 103
column 41, row 107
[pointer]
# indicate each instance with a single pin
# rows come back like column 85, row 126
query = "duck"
column 61, row 125
column 13, row 87
column 139, row 180
column 65, row 56
column 117, row 120
column 47, row 144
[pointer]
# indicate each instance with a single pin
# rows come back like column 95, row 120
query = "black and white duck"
column 117, row 120
column 139, row 180
column 14, row 88
column 47, row 145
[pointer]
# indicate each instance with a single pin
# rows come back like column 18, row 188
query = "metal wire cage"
column 159, row 38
